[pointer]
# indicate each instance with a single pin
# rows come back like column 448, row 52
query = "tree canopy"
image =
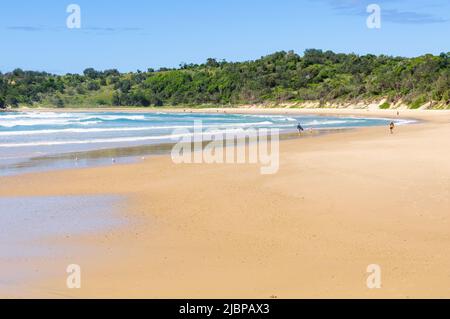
column 318, row 75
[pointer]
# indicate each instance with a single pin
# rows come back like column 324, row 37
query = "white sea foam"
column 113, row 117
column 11, row 121
column 74, row 128
column 122, row 129
column 330, row 122
column 110, row 140
column 35, row 115
column 277, row 117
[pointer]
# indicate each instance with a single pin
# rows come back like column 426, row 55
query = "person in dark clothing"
column 300, row 129
column 392, row 127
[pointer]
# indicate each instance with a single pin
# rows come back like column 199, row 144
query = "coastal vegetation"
column 385, row 106
column 283, row 77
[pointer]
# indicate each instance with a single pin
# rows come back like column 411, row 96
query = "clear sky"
column 138, row 34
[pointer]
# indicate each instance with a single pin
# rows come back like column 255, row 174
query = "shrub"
column 418, row 102
column 385, row 105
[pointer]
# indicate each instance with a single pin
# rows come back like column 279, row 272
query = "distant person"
column 300, row 128
column 392, row 127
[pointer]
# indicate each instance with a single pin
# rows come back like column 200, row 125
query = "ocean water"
column 27, row 136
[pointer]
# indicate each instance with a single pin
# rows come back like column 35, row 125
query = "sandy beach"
column 339, row 203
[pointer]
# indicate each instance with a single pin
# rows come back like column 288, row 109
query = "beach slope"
column 339, row 203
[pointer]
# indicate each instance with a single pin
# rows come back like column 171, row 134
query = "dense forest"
column 319, row 76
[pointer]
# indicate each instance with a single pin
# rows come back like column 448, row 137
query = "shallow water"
column 36, row 233
column 26, row 222
column 27, row 136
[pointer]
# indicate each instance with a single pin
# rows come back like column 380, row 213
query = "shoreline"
column 278, row 236
column 411, row 114
column 131, row 153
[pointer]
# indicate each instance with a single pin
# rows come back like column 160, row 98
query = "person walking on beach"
column 392, row 127
column 300, row 129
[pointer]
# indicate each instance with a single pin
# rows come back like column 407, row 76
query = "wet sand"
column 338, row 203
column 29, row 225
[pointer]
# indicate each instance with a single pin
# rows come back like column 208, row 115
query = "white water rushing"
column 25, row 135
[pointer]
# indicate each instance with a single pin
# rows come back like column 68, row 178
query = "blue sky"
column 138, row 34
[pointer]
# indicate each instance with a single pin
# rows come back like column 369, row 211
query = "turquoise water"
column 28, row 135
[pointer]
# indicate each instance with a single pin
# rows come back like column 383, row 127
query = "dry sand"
column 338, row 203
